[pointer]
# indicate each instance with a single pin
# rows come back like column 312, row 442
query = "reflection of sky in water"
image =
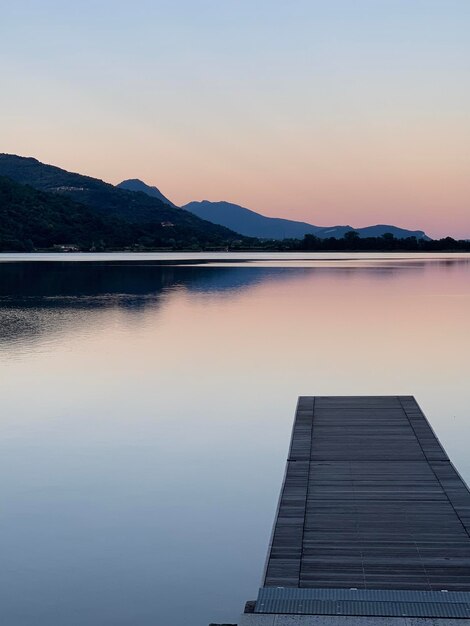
column 146, row 413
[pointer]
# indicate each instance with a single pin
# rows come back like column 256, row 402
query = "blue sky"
column 340, row 111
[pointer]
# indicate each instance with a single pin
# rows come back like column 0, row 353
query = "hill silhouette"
column 252, row 224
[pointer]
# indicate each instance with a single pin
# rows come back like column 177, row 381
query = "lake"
column 147, row 402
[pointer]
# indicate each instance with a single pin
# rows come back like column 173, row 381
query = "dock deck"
column 373, row 518
column 370, row 500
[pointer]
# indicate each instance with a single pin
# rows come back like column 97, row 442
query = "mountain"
column 251, row 224
column 134, row 184
column 244, row 220
column 159, row 222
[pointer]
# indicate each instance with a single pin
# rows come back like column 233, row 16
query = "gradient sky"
column 331, row 111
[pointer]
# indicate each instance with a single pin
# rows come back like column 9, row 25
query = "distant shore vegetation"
column 386, row 243
column 309, row 243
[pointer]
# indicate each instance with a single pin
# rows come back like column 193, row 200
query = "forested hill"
column 32, row 219
column 109, row 201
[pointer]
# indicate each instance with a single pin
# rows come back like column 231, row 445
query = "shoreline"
column 206, row 258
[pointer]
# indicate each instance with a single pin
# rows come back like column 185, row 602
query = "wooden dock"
column 370, row 500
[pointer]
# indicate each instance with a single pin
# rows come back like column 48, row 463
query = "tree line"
column 352, row 242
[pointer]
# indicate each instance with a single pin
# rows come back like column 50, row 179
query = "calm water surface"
column 146, row 412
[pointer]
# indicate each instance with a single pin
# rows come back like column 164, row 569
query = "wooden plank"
column 370, row 500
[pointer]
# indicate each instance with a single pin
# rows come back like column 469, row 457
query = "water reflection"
column 38, row 298
column 146, row 412
column 45, row 298
column 105, row 284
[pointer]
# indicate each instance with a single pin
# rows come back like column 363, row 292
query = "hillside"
column 34, row 219
column 252, row 224
column 108, row 201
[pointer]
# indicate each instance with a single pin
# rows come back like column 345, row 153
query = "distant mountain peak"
column 135, row 184
column 252, row 224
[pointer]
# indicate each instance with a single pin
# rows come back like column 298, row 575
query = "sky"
column 332, row 112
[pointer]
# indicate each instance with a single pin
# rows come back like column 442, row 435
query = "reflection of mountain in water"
column 37, row 298
column 104, row 284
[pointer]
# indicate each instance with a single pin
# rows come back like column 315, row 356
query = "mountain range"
column 42, row 206
column 252, row 224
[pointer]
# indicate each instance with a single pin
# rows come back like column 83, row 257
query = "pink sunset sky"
column 333, row 112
